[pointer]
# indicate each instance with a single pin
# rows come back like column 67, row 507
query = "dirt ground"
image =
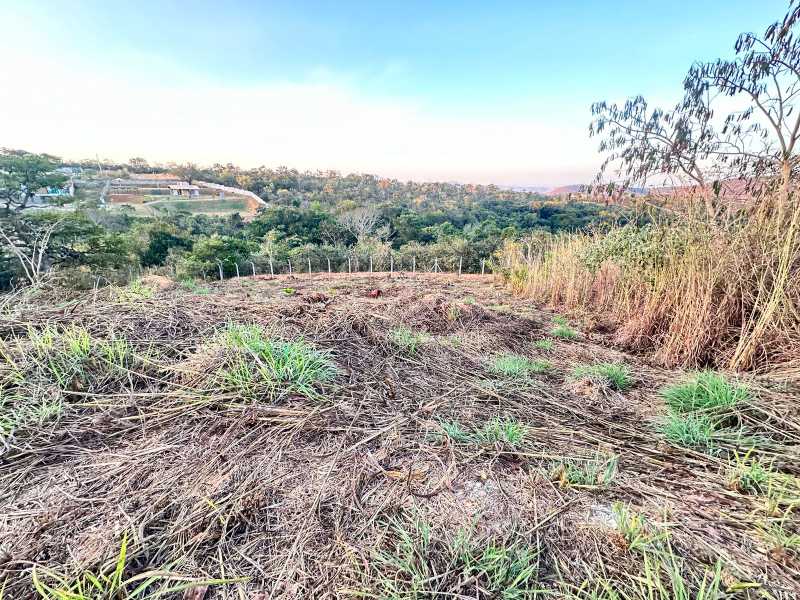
column 298, row 496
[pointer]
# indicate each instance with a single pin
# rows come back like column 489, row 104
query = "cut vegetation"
column 247, row 443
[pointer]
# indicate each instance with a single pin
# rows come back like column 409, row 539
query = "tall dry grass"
column 691, row 292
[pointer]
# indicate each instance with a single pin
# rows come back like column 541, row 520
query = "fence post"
column 435, row 265
column 237, row 270
column 252, row 264
column 221, row 276
column 289, row 260
column 414, row 264
column 271, row 271
column 308, row 256
column 391, row 264
column 370, row 263
column 329, row 264
column 460, row 258
column 349, row 266
column 483, row 264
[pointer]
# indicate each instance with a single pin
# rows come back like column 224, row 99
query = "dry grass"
column 691, row 293
column 346, row 486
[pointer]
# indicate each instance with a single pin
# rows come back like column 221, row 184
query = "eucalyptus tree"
column 737, row 119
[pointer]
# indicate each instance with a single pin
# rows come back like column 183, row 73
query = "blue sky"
column 469, row 91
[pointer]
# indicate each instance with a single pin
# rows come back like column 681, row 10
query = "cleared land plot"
column 305, row 440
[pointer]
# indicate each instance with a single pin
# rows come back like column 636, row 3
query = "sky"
column 476, row 92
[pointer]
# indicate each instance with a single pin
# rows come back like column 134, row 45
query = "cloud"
column 53, row 107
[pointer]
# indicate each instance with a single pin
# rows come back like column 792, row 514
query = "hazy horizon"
column 471, row 94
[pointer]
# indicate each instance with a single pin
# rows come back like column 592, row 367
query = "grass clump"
column 192, row 286
column 503, row 431
column 498, row 430
column 113, row 582
column 704, row 391
column 260, row 363
column 750, row 476
column 406, row 340
column 662, row 575
column 516, row 366
column 135, row 291
column 289, row 291
column 638, row 533
column 415, row 561
column 545, row 345
column 599, row 471
column 562, row 329
column 690, row 430
column 615, row 375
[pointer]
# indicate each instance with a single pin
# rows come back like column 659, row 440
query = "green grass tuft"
column 751, row 476
column 274, row 366
column 690, row 430
column 416, row 561
column 498, row 430
column 516, row 366
column 564, row 332
column 407, row 341
column 615, row 375
column 545, row 345
column 705, row 390
column 594, row 472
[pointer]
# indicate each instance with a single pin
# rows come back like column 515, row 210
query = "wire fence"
column 299, row 265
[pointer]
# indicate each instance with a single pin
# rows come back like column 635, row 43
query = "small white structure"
column 183, row 188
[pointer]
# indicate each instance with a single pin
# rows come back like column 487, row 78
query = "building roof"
column 184, row 186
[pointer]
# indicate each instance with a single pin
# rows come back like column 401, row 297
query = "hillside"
column 345, row 437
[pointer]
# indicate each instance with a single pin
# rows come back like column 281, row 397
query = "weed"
column 516, row 366
column 418, row 562
column 497, row 430
column 135, row 291
column 705, row 390
column 559, row 320
column 545, row 345
column 750, row 476
column 691, row 430
column 279, row 366
column 638, row 533
column 564, row 332
column 453, row 312
column 455, row 432
column 289, row 291
column 469, row 300
column 112, row 583
column 407, row 341
column 781, row 541
column 507, row 431
column 595, row 472
column 615, row 375
column 192, row 286
column 662, row 576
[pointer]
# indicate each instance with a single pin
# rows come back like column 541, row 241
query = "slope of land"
column 407, row 437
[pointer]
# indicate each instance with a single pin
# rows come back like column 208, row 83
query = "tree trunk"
column 786, row 179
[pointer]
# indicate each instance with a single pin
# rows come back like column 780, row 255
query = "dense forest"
column 311, row 218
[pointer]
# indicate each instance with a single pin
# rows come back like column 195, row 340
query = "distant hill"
column 582, row 188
